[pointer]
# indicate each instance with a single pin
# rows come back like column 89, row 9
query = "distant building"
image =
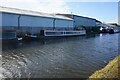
column 113, row 24
column 84, row 22
column 31, row 22
column 79, row 21
column 98, row 23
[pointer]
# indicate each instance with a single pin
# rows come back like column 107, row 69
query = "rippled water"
column 75, row 57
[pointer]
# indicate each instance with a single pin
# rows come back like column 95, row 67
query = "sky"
column 103, row 10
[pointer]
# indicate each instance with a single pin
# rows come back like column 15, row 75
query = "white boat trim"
column 64, row 33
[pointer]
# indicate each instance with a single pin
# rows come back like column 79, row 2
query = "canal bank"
column 111, row 70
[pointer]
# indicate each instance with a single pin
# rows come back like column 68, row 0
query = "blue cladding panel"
column 0, row 19
column 9, row 19
column 63, row 23
column 32, row 21
column 81, row 21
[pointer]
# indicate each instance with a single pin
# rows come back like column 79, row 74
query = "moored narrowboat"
column 57, row 33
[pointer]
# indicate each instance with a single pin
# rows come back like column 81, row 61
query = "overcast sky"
column 104, row 10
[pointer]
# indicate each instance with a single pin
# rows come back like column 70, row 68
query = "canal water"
column 75, row 57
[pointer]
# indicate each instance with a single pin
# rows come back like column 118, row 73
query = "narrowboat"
column 57, row 33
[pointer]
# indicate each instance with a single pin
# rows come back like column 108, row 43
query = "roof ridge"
column 30, row 12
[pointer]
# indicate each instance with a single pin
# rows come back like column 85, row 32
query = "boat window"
column 54, row 33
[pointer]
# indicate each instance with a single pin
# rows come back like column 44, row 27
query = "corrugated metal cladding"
column 35, row 21
column 0, row 20
column 10, row 18
column 79, row 21
column 83, row 21
column 31, row 21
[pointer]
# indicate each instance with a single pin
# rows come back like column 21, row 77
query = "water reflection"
column 76, row 57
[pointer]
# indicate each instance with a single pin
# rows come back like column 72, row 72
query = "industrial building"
column 32, row 23
column 90, row 24
column 80, row 20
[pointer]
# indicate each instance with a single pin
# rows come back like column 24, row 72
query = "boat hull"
column 7, row 36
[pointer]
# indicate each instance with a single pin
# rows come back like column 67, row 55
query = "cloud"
column 48, row 6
